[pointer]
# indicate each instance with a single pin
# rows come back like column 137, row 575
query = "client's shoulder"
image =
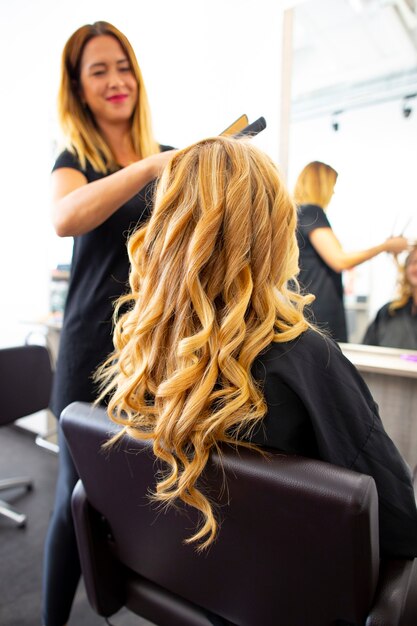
column 311, row 347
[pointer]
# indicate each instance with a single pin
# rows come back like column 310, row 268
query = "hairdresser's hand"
column 157, row 162
column 395, row 245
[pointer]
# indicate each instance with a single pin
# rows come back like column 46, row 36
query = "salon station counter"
column 391, row 375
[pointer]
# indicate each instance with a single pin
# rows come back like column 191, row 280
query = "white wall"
column 204, row 62
column 375, row 153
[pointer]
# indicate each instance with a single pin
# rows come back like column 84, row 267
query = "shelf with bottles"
column 59, row 281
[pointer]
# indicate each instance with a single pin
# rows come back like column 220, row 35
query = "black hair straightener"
column 241, row 128
column 252, row 129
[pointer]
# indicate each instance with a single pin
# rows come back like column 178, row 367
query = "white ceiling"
column 351, row 53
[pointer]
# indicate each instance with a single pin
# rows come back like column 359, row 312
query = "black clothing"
column 61, row 566
column 319, row 406
column 396, row 329
column 99, row 275
column 317, row 277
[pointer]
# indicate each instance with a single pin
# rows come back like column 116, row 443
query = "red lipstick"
column 117, row 98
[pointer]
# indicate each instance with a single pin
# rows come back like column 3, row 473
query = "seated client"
column 395, row 324
column 211, row 344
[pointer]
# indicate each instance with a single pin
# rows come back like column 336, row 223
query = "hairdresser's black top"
column 394, row 329
column 99, row 275
column 317, row 277
column 320, row 407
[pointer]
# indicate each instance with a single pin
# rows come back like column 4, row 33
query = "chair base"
column 46, row 441
column 19, row 481
column 5, row 509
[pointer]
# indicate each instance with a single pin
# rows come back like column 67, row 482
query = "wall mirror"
column 354, row 106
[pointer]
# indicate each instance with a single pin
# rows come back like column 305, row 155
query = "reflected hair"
column 212, row 284
column 82, row 133
column 315, row 184
column 404, row 287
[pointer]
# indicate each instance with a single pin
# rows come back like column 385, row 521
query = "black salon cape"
column 396, row 329
column 319, row 406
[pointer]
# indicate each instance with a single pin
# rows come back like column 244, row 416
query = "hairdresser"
column 101, row 189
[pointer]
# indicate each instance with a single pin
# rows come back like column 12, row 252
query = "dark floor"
column 21, row 549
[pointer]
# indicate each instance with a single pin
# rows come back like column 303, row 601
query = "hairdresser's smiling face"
column 108, row 85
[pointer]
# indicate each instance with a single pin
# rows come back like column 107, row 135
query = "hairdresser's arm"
column 329, row 248
column 79, row 207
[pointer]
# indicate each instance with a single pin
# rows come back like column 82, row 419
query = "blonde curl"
column 404, row 288
column 212, row 284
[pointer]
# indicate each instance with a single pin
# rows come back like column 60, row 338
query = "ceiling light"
column 336, row 121
column 407, row 104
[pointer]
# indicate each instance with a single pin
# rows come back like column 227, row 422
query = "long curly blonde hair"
column 209, row 282
column 404, row 290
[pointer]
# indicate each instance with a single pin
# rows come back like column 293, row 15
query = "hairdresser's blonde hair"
column 315, row 184
column 404, row 287
column 209, row 291
column 79, row 127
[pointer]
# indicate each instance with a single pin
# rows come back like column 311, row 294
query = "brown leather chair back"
column 298, row 543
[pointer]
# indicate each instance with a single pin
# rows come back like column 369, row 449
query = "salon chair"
column 298, row 542
column 25, row 388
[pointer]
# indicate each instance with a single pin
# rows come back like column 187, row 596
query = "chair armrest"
column 395, row 602
column 102, row 581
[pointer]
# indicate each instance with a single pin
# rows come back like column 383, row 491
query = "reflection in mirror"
column 395, row 324
column 354, row 106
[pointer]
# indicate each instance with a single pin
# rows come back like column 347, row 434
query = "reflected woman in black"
column 322, row 258
column 395, row 324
